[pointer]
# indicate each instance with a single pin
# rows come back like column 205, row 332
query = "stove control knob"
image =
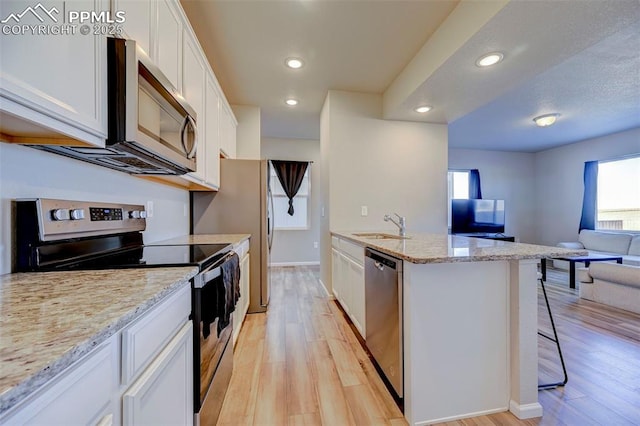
column 77, row 214
column 60, row 214
column 137, row 214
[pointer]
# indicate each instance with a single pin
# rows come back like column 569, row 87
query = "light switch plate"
column 149, row 208
column 364, row 211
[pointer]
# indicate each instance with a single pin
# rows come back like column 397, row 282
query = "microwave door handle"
column 188, row 119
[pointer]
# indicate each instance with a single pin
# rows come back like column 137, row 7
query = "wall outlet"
column 315, row 244
column 185, row 210
column 322, row 212
column 149, row 208
column 364, row 211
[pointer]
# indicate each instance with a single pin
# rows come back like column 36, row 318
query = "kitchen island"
column 469, row 323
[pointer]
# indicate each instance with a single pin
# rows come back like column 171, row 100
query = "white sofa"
column 611, row 284
column 606, row 243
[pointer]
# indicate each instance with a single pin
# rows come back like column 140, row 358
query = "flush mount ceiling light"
column 294, row 63
column 291, row 102
column 489, row 59
column 423, row 108
column 546, row 120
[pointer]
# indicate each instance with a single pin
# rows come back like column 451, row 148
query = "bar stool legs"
column 553, row 339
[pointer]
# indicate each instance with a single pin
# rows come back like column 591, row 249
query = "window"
column 300, row 218
column 458, row 187
column 618, row 201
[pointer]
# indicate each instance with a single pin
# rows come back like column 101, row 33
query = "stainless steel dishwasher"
column 383, row 315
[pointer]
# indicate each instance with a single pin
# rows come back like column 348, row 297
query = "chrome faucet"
column 401, row 223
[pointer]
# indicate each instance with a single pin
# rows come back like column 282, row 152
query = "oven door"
column 213, row 348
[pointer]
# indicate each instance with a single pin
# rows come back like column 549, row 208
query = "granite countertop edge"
column 24, row 389
column 549, row 251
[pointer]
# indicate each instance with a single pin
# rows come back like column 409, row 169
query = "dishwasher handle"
column 380, row 260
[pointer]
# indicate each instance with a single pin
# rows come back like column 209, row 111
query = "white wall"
column 247, row 132
column 28, row 173
column 559, row 186
column 388, row 166
column 297, row 246
column 508, row 176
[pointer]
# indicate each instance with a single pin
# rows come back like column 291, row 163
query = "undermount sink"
column 379, row 236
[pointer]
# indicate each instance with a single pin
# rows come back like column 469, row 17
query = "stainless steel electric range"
column 62, row 235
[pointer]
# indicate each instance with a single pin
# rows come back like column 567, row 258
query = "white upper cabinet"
column 168, row 49
column 193, row 90
column 55, row 82
column 212, row 134
column 227, row 132
column 138, row 21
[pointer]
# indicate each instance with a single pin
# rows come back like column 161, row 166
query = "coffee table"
column 572, row 264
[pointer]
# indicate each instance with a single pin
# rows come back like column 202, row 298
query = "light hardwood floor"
column 301, row 364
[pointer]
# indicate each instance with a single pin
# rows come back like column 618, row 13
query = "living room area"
column 598, row 320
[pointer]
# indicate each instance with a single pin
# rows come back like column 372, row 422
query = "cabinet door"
column 168, row 49
column 336, row 276
column 80, row 395
column 228, row 132
column 139, row 21
column 164, row 392
column 193, row 83
column 355, row 279
column 56, row 80
column 212, row 132
column 241, row 308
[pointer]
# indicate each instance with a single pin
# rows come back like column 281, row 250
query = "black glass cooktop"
column 201, row 255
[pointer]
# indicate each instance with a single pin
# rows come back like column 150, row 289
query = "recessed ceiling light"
column 294, row 63
column 291, row 102
column 423, row 108
column 546, row 120
column 489, row 59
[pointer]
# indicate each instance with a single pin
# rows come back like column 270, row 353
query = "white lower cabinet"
column 82, row 394
column 164, row 393
column 93, row 391
column 348, row 280
column 245, row 278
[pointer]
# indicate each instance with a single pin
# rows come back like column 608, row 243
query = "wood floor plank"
column 307, row 419
column 271, row 407
column 301, row 391
column 364, row 406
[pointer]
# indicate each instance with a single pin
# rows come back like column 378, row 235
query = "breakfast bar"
column 469, row 321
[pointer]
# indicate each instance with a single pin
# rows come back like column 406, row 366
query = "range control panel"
column 71, row 219
column 104, row 213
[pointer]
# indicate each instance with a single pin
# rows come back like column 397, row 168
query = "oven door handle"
column 213, row 272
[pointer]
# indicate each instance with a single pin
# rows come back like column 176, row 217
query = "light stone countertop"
column 49, row 320
column 204, row 239
column 443, row 248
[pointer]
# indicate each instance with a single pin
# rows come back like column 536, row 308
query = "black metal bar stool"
column 553, row 339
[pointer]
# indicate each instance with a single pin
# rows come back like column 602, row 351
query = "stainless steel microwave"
column 152, row 130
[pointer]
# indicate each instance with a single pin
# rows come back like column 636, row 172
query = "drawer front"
column 144, row 339
column 80, row 395
column 354, row 251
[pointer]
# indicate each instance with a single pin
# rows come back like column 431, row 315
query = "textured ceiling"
column 579, row 58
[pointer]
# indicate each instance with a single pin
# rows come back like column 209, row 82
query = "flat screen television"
column 473, row 216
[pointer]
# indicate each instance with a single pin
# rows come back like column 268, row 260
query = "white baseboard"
column 276, row 264
column 460, row 417
column 324, row 287
column 525, row 411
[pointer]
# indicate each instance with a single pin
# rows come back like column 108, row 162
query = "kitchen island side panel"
column 456, row 340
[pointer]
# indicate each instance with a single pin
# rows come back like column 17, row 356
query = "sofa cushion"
column 634, row 247
column 620, row 274
column 582, row 275
column 605, row 241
